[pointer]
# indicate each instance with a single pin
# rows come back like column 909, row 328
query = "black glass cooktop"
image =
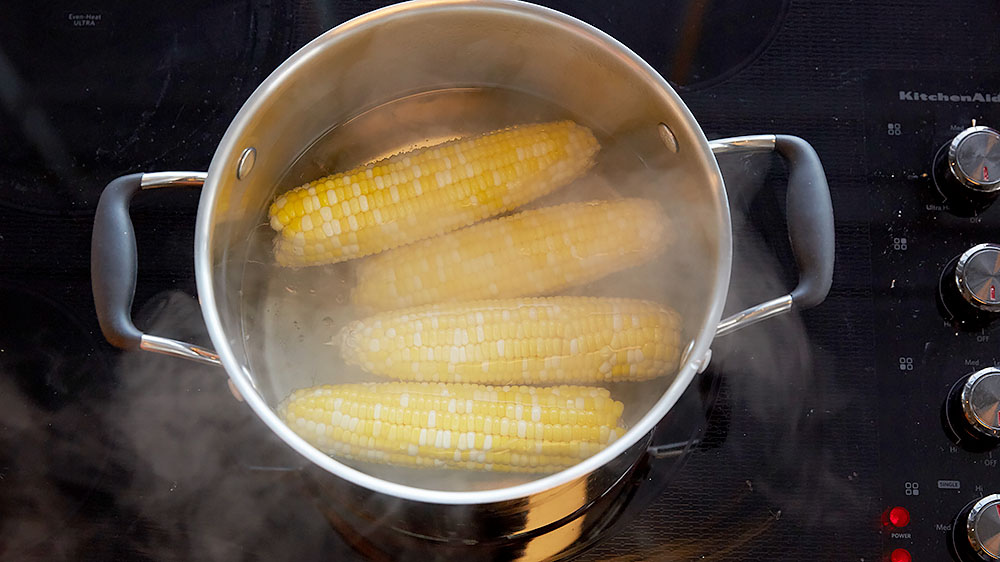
column 801, row 436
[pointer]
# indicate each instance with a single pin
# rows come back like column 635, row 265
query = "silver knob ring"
column 981, row 411
column 981, row 145
column 978, row 281
column 983, row 523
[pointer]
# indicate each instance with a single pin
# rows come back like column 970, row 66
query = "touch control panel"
column 933, row 169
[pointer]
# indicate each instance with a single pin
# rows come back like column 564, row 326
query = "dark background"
column 107, row 455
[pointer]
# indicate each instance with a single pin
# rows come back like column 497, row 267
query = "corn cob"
column 518, row 341
column 478, row 427
column 549, row 249
column 426, row 192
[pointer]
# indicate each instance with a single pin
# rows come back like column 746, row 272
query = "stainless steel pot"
column 431, row 45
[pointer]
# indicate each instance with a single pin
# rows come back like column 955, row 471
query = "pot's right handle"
column 810, row 225
column 114, row 264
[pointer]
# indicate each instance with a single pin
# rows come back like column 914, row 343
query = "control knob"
column 976, row 532
column 973, row 410
column 970, row 285
column 977, row 275
column 969, row 167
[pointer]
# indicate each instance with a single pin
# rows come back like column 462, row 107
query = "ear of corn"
column 478, row 427
column 426, row 192
column 531, row 253
column 518, row 341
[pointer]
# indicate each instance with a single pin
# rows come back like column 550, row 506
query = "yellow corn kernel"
column 510, row 428
column 426, row 192
column 550, row 249
column 551, row 340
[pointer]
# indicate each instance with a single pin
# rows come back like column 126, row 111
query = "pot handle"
column 114, row 262
column 810, row 225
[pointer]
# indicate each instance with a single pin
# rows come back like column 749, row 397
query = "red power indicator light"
column 986, row 173
column 899, row 517
column 900, row 555
column 993, row 292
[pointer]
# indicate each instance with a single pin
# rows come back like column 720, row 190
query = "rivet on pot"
column 699, row 364
column 247, row 160
column 667, row 136
column 705, row 360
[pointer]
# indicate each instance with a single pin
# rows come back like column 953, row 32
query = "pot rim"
column 227, row 154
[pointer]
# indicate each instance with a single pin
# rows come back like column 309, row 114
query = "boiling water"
column 292, row 317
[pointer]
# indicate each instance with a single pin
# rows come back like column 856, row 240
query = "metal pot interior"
column 409, row 75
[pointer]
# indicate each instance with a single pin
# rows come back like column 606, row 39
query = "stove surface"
column 796, row 443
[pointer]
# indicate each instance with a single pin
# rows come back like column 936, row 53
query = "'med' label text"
column 978, row 97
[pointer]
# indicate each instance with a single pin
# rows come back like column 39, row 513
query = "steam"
column 188, row 462
column 40, row 500
column 190, row 436
column 200, row 475
column 770, row 371
column 193, row 474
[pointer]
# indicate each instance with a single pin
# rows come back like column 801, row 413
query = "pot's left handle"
column 114, row 262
